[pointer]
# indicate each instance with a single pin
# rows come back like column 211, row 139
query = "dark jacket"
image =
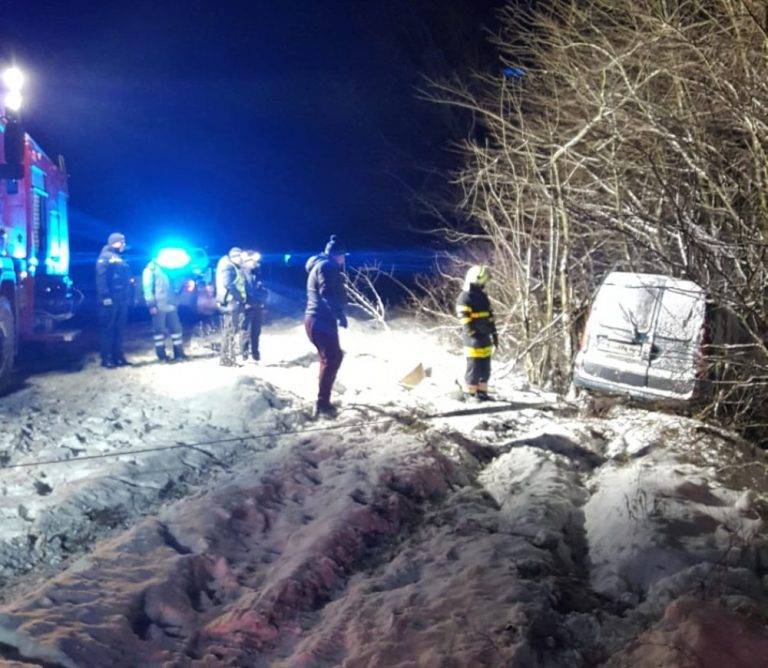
column 474, row 311
column 255, row 292
column 326, row 290
column 113, row 277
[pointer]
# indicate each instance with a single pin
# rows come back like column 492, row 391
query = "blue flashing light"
column 287, row 258
column 513, row 72
column 173, row 258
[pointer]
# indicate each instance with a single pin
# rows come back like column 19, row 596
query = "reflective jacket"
column 326, row 290
column 113, row 277
column 478, row 327
column 158, row 288
column 230, row 283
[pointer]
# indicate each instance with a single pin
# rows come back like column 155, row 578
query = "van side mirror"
column 13, row 145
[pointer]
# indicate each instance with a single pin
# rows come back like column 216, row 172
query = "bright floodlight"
column 13, row 78
column 173, row 258
column 13, row 100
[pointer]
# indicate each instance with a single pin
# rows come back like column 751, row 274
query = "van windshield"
column 628, row 308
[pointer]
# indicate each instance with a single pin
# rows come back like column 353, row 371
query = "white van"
column 644, row 338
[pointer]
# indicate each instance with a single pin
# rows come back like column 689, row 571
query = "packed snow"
column 196, row 515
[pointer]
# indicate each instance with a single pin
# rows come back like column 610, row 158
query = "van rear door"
column 676, row 340
column 620, row 327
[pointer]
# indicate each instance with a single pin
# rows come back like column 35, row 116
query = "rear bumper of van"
column 596, row 384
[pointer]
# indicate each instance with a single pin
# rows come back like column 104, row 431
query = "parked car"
column 646, row 337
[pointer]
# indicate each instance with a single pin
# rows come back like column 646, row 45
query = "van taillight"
column 583, row 339
column 702, row 366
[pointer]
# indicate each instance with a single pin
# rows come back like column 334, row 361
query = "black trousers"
column 253, row 332
column 478, row 371
column 112, row 321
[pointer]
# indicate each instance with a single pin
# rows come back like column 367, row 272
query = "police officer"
column 113, row 290
column 326, row 306
column 163, row 303
column 478, row 331
column 255, row 300
column 231, row 300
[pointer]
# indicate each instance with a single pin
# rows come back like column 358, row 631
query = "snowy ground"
column 415, row 530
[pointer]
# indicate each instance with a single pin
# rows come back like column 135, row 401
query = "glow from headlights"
column 13, row 100
column 173, row 258
column 13, row 78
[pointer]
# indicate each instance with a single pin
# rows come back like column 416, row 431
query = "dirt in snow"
column 415, row 530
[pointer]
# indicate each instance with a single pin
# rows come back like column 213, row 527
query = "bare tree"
column 364, row 293
column 625, row 134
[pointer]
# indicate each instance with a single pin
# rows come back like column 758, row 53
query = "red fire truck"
column 35, row 287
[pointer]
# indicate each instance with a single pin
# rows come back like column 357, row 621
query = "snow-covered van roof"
column 633, row 280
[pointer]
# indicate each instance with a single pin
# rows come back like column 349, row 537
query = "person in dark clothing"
column 231, row 299
column 162, row 300
column 255, row 300
column 326, row 311
column 113, row 290
column 478, row 331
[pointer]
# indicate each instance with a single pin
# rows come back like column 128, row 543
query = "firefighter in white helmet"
column 479, row 336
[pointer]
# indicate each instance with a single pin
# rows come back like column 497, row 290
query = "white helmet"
column 477, row 274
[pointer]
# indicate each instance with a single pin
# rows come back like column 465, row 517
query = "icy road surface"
column 416, row 530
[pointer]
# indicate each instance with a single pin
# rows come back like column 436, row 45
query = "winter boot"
column 178, row 353
column 324, row 409
column 160, row 352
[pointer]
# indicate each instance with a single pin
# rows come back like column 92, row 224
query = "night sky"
column 254, row 123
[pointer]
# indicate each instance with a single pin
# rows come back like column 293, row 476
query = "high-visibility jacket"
column 230, row 283
column 478, row 328
column 158, row 288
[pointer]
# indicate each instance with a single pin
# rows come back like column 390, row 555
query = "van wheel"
column 7, row 343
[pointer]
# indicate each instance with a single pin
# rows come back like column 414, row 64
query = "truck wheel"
column 7, row 342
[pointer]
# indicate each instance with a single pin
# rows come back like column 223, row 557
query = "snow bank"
column 424, row 531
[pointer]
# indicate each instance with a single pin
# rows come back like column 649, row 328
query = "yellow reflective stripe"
column 463, row 309
column 466, row 321
column 480, row 314
column 478, row 352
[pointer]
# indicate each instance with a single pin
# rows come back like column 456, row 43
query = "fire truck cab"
column 35, row 287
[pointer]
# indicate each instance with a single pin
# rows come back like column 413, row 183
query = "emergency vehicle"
column 36, row 291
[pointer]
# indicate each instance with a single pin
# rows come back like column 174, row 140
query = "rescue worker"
column 326, row 306
column 231, row 300
column 163, row 304
column 478, row 331
column 113, row 291
column 255, row 300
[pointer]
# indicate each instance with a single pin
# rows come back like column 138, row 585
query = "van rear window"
column 626, row 307
column 681, row 315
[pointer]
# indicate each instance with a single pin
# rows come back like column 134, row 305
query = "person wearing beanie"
column 113, row 291
column 325, row 312
column 479, row 336
column 231, row 300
